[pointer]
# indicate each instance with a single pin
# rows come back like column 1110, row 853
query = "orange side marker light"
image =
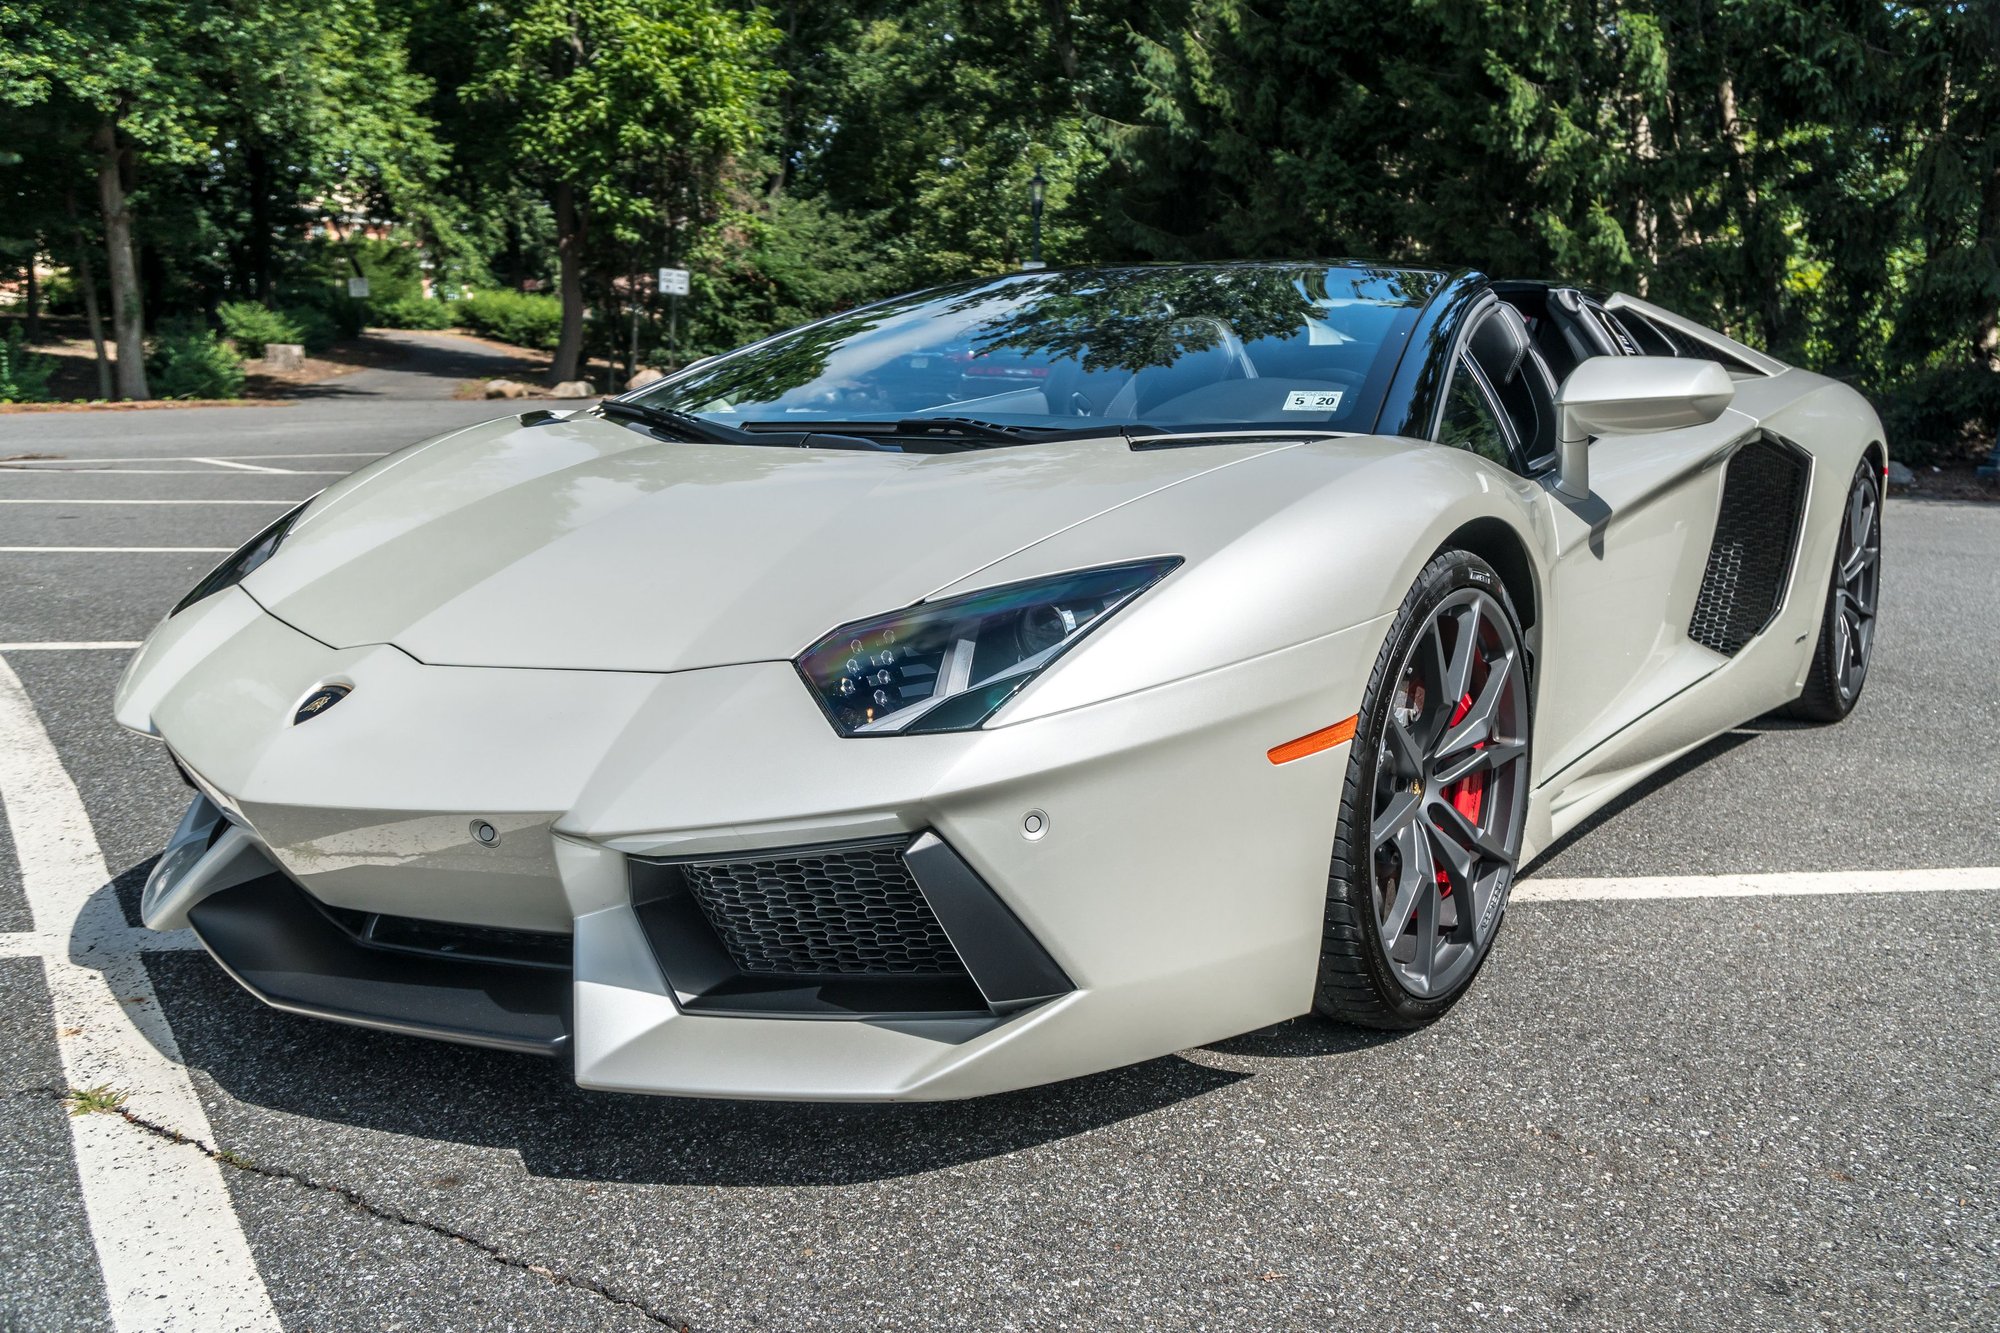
column 1313, row 742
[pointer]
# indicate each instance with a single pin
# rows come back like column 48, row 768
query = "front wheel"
column 1436, row 801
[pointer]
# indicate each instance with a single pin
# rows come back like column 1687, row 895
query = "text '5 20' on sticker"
column 1313, row 400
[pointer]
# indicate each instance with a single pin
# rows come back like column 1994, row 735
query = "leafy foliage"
column 410, row 312
column 1820, row 177
column 252, row 326
column 24, row 375
column 187, row 360
column 521, row 318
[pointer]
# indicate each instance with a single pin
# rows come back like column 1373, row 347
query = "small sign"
column 673, row 282
column 357, row 288
column 1316, row 400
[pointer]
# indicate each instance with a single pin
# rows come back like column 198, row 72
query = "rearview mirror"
column 1631, row 395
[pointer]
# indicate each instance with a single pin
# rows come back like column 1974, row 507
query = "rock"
column 574, row 389
column 507, row 389
column 284, row 356
column 643, row 376
column 1900, row 478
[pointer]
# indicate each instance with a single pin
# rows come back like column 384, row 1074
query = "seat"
column 1504, row 351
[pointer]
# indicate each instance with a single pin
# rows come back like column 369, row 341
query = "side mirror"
column 1631, row 395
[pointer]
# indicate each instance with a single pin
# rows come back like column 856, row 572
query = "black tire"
column 1389, row 785
column 1853, row 596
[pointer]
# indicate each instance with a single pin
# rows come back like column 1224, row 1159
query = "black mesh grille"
column 840, row 911
column 1755, row 534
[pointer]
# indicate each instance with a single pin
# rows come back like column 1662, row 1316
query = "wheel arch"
column 1495, row 541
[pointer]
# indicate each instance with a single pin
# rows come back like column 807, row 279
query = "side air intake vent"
column 1756, row 533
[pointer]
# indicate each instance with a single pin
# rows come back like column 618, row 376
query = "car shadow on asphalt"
column 488, row 1099
column 1304, row 1039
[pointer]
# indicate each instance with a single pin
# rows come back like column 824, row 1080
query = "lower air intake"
column 851, row 911
column 1756, row 532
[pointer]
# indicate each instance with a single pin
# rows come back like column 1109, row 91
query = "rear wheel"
column 1853, row 595
column 1435, row 804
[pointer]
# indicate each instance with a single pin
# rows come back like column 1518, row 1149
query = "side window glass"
column 1620, row 337
column 1652, row 339
column 1469, row 422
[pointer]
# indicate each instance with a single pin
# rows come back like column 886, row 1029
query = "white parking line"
column 34, row 944
column 15, row 500
column 241, row 467
column 123, row 550
column 168, row 1241
column 88, row 646
column 1781, row 884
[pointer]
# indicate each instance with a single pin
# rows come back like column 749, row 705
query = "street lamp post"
column 1036, row 187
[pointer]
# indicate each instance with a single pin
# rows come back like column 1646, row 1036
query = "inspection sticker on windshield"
column 1313, row 400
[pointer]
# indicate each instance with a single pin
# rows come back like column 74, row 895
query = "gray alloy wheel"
column 1432, row 827
column 1854, row 595
column 1857, row 588
column 1449, row 794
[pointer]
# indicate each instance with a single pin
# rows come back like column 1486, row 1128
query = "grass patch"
column 103, row 1097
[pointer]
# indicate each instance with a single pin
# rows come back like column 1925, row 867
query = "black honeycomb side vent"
column 1756, row 534
column 851, row 910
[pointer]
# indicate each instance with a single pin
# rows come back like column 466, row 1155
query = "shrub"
column 253, row 326
column 520, row 318
column 24, row 375
column 62, row 294
column 318, row 329
column 1946, row 415
column 331, row 303
column 411, row 312
column 189, row 361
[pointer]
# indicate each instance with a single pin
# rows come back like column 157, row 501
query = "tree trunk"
column 1986, row 333
column 127, row 312
column 1061, row 41
column 258, row 165
column 34, row 329
column 632, row 347
column 87, row 277
column 569, row 250
column 1646, row 226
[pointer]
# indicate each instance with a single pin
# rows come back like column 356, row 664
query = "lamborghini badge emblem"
column 321, row 699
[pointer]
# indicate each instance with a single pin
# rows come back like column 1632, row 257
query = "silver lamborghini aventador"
column 1002, row 682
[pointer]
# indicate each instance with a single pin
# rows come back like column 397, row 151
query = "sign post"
column 673, row 286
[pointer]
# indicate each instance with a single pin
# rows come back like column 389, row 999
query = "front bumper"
column 1177, row 882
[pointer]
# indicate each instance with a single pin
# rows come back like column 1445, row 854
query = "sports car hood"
column 581, row 543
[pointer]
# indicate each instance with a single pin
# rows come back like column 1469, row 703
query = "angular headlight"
column 948, row 666
column 237, row 567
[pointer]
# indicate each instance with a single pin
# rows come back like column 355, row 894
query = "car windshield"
column 1185, row 348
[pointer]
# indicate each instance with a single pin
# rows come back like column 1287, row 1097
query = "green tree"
column 627, row 112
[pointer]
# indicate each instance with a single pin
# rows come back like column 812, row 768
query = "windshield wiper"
column 684, row 424
column 941, row 430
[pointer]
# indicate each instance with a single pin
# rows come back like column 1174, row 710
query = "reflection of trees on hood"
column 1136, row 318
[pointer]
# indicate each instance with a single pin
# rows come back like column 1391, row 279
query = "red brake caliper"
column 1468, row 794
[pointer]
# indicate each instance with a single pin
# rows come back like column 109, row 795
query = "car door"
column 1624, row 565
column 1625, row 570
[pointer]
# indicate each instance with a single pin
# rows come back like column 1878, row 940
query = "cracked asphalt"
column 1719, row 1113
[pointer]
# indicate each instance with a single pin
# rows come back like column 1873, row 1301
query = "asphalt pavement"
column 1739, row 1112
